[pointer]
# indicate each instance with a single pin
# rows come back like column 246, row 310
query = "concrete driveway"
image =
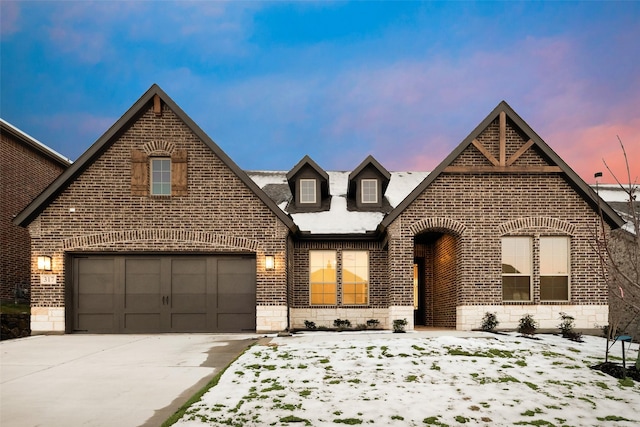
column 107, row 380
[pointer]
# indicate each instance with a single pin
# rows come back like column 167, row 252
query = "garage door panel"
column 142, row 322
column 96, row 322
column 142, row 285
column 189, row 285
column 193, row 322
column 236, row 303
column 236, row 322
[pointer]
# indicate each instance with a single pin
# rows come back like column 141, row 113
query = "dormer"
column 368, row 183
column 309, row 184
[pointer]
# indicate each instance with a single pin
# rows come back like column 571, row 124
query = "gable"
column 511, row 147
column 164, row 121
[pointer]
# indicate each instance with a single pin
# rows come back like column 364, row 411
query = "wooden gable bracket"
column 502, row 164
column 157, row 105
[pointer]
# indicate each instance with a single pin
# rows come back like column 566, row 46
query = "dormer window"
column 369, row 190
column 308, row 191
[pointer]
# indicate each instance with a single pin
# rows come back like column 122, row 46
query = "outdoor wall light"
column 269, row 262
column 44, row 263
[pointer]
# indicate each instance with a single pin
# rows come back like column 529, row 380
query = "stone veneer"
column 548, row 316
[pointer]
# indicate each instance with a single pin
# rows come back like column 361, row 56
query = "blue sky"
column 273, row 81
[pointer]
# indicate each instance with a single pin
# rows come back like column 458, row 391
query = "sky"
column 271, row 82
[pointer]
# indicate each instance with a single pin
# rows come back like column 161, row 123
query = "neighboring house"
column 624, row 246
column 26, row 168
column 154, row 228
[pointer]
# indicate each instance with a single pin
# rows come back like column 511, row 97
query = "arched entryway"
column 436, row 254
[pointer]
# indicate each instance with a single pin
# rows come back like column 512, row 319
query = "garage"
column 162, row 293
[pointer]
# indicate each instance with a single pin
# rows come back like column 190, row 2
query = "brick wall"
column 480, row 208
column 24, row 173
column 219, row 213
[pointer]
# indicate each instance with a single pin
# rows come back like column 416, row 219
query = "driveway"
column 107, row 380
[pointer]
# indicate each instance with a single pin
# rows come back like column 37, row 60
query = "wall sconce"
column 44, row 263
column 269, row 262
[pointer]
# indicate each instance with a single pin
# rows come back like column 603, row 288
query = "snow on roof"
column 338, row 219
column 618, row 198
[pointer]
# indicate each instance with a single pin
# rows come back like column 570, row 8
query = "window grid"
column 554, row 268
column 355, row 277
column 322, row 278
column 516, row 268
column 369, row 190
column 307, row 191
column 161, row 177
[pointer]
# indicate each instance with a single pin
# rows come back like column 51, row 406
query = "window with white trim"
column 554, row 268
column 516, row 268
column 369, row 190
column 161, row 176
column 307, row 191
column 323, row 283
column 355, row 277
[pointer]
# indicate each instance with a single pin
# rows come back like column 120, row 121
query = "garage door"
column 139, row 294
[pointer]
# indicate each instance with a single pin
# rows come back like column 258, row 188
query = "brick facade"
column 476, row 210
column 97, row 213
column 451, row 225
column 24, row 173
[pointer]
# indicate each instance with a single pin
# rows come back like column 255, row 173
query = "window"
column 161, row 176
column 516, row 268
column 369, row 190
column 355, row 277
column 554, row 268
column 307, row 191
column 322, row 277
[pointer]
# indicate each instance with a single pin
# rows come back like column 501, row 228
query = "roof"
column 112, row 134
column 338, row 221
column 618, row 198
column 28, row 140
column 578, row 184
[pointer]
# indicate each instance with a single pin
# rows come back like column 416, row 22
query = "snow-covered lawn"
column 323, row 378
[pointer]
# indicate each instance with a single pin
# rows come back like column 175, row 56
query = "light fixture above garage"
column 44, row 263
column 269, row 262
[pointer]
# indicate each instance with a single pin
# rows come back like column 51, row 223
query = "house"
column 624, row 249
column 155, row 229
column 27, row 167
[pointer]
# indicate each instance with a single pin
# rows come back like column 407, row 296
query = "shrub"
column 399, row 325
column 527, row 325
column 566, row 328
column 566, row 324
column 373, row 323
column 489, row 322
column 342, row 324
column 310, row 325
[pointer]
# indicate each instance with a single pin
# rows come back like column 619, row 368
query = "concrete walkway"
column 107, row 380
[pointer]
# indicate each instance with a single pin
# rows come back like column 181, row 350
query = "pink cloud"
column 584, row 149
column 9, row 18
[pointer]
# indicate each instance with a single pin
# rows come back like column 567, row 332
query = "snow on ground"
column 328, row 379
